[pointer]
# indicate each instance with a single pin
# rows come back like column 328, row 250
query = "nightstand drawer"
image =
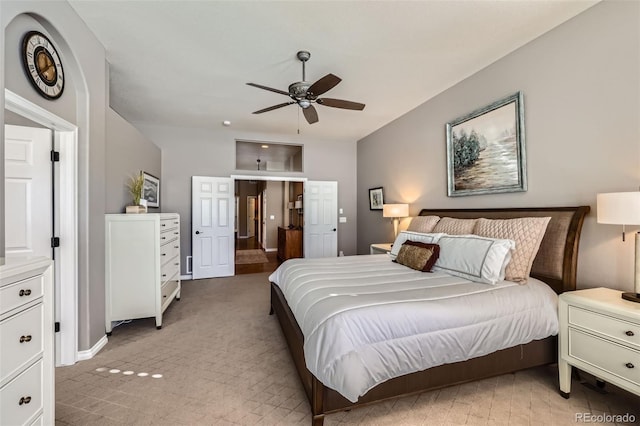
column 605, row 355
column 609, row 327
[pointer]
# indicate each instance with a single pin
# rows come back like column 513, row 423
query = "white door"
column 320, row 230
column 251, row 216
column 28, row 189
column 212, row 239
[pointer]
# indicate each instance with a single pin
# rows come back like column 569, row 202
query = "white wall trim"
column 263, row 177
column 90, row 353
column 186, row 277
column 271, row 249
column 66, row 262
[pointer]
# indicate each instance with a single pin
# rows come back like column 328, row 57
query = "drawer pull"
column 26, row 338
column 176, row 246
column 164, row 275
column 177, row 264
column 163, row 254
column 164, row 224
column 26, row 292
column 175, row 233
column 629, row 365
column 629, row 333
column 164, row 238
column 176, row 223
column 24, row 400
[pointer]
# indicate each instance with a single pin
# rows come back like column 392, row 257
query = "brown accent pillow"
column 455, row 226
column 527, row 232
column 419, row 256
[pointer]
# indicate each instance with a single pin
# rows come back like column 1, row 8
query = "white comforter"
column 366, row 319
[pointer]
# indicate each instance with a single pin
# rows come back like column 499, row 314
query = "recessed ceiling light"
column 226, row 123
column 265, row 146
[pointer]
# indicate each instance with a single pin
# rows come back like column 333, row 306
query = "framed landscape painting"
column 486, row 150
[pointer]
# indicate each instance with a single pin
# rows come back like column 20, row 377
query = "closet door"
column 212, row 225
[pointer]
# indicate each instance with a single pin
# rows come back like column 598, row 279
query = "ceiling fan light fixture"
column 304, row 103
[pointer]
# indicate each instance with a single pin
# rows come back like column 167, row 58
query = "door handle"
column 197, row 232
column 334, row 229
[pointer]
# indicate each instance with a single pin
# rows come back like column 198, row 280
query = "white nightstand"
column 380, row 248
column 600, row 334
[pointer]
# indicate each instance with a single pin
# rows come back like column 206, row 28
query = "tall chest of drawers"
column 27, row 377
column 142, row 268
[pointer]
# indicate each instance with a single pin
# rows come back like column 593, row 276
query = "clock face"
column 42, row 65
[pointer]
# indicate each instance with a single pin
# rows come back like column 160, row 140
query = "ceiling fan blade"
column 271, row 108
column 325, row 84
column 339, row 103
column 310, row 114
column 271, row 89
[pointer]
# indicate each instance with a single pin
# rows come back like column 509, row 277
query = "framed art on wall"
column 151, row 190
column 486, row 149
column 375, row 199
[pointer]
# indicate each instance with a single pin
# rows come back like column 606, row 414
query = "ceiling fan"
column 305, row 94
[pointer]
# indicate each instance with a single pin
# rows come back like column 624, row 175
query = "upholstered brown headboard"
column 557, row 260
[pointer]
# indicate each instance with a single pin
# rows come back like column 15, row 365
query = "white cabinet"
column 142, row 265
column 26, row 342
column 600, row 334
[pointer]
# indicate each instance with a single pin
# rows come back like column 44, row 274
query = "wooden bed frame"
column 555, row 264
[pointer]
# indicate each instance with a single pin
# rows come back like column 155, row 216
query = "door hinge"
column 56, row 327
column 55, row 156
column 55, row 241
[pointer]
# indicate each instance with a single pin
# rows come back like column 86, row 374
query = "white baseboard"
column 186, row 277
column 271, row 249
column 88, row 354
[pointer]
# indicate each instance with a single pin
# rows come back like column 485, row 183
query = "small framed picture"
column 375, row 199
column 151, row 190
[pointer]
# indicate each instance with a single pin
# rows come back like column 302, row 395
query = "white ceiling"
column 186, row 63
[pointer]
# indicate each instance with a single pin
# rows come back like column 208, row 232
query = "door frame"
column 66, row 216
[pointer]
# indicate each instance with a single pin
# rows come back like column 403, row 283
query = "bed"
column 555, row 266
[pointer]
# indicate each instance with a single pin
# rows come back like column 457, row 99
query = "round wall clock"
column 42, row 65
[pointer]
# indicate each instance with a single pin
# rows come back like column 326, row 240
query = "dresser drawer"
column 169, row 250
column 21, row 399
column 21, row 340
column 20, row 293
column 168, row 289
column 605, row 355
column 170, row 269
column 169, row 224
column 615, row 328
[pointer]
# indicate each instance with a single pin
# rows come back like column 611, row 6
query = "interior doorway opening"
column 267, row 209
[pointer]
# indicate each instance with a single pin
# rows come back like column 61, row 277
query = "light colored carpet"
column 223, row 361
column 244, row 257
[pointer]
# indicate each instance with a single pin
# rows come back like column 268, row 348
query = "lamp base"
column 633, row 297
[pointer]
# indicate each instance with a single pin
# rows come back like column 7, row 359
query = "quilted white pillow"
column 412, row 236
column 473, row 257
column 527, row 232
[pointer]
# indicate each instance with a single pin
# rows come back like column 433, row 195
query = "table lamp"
column 395, row 211
column 623, row 208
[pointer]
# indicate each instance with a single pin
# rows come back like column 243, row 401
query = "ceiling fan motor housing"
column 298, row 90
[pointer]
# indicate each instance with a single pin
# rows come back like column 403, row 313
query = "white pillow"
column 412, row 236
column 473, row 257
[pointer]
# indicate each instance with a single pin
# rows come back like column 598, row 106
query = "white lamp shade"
column 395, row 210
column 619, row 208
column 298, row 204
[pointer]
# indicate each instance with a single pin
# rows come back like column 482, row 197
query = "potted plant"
column 135, row 189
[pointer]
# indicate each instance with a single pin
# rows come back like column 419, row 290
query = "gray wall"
column 190, row 152
column 582, row 102
column 83, row 103
column 128, row 152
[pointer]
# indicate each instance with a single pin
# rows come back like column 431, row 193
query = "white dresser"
column 27, row 380
column 599, row 334
column 142, row 265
